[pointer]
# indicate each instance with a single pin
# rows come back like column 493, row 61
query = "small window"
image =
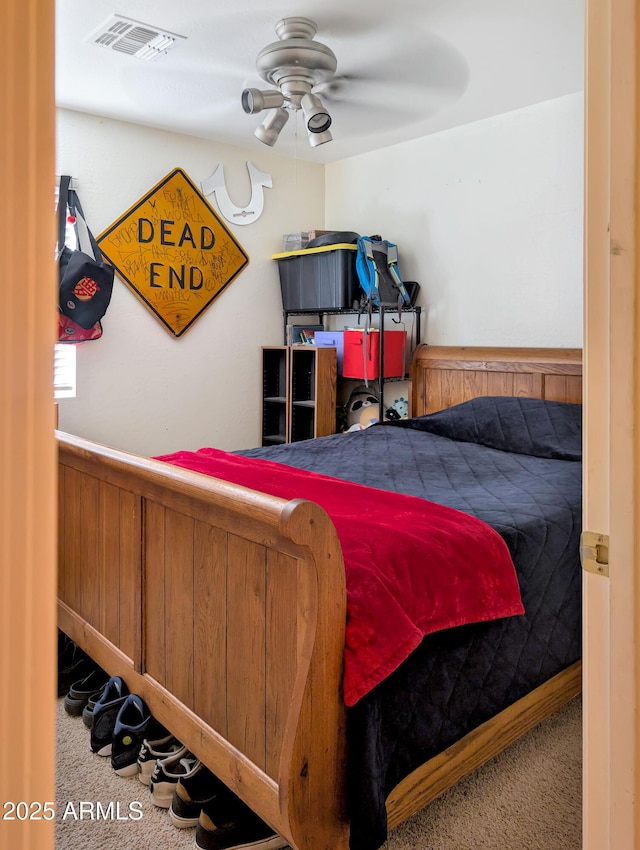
column 64, row 362
column 64, row 371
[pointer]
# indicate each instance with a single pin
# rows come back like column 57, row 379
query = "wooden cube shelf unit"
column 298, row 393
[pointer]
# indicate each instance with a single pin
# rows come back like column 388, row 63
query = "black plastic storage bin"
column 319, row 278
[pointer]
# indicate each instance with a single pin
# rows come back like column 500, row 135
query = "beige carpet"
column 528, row 798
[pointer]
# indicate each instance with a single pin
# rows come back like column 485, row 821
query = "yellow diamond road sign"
column 173, row 252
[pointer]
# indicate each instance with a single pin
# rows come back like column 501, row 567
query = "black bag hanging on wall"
column 85, row 282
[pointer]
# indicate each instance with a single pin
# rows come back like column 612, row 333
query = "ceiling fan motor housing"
column 296, row 63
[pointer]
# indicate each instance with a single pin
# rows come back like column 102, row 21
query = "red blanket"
column 412, row 566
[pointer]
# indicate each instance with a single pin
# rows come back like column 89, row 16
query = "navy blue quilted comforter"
column 515, row 464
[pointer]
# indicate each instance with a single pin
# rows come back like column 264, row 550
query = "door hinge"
column 594, row 552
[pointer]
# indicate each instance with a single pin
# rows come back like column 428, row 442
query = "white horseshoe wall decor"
column 238, row 215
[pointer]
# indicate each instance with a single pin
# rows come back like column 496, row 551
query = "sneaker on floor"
column 105, row 713
column 245, row 832
column 191, row 793
column 63, row 641
column 152, row 751
column 166, row 774
column 73, row 665
column 68, row 650
column 80, row 691
column 133, row 723
column 87, row 711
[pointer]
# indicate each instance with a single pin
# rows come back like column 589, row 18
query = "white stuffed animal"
column 362, row 409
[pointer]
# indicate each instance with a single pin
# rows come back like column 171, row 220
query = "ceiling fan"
column 295, row 65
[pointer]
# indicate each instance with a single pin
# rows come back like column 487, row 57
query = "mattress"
column 516, row 465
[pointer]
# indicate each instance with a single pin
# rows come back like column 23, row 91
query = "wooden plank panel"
column 89, row 550
column 555, row 387
column 130, row 577
column 210, row 625
column 178, row 609
column 474, row 384
column 452, row 387
column 528, row 385
column 246, row 648
column 563, row 388
column 419, row 391
column 574, row 389
column 72, row 538
column 500, row 383
column 109, row 558
column 325, row 392
column 432, row 390
column 154, row 592
column 61, row 538
column 282, row 650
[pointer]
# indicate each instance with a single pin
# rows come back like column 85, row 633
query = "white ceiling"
column 411, row 67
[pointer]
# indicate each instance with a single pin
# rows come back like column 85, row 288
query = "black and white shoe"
column 155, row 750
column 243, row 829
column 166, row 774
column 192, row 792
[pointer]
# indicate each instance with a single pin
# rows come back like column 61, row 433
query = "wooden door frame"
column 612, row 443
column 27, row 449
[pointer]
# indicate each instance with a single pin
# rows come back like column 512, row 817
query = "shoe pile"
column 123, row 728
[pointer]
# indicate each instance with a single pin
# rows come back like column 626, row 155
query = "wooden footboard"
column 225, row 610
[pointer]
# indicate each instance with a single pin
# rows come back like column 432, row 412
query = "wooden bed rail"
column 225, row 610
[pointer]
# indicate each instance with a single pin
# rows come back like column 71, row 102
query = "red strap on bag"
column 69, row 331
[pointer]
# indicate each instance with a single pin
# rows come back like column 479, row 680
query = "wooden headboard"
column 442, row 376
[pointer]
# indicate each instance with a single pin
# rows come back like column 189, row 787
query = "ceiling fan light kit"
column 315, row 114
column 254, row 100
column 269, row 130
column 316, row 139
column 294, row 65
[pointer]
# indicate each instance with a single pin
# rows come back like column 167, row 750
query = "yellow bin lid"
column 323, row 249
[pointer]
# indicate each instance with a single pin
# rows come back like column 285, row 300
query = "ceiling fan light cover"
column 269, row 130
column 316, row 139
column 254, row 100
column 316, row 116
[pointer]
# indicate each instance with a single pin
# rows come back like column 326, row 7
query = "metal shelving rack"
column 380, row 312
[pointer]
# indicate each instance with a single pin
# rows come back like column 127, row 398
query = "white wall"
column 488, row 219
column 138, row 387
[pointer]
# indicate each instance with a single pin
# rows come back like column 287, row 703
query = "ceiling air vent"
column 134, row 38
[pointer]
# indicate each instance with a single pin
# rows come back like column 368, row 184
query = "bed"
column 253, row 684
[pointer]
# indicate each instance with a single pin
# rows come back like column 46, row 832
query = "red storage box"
column 355, row 359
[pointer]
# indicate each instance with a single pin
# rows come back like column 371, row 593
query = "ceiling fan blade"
column 159, row 88
column 426, row 70
column 367, row 117
column 391, row 97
